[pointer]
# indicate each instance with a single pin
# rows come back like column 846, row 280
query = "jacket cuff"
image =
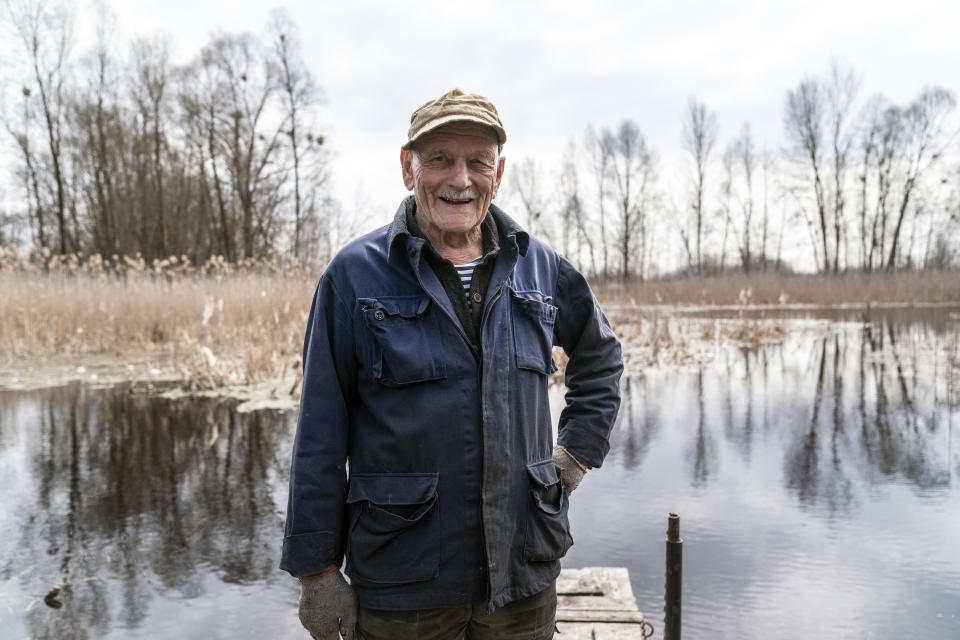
column 584, row 445
column 305, row 554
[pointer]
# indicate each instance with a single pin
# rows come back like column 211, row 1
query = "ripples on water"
column 814, row 480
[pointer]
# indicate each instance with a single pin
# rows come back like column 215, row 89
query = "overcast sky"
column 552, row 68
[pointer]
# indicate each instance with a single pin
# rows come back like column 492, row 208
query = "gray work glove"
column 328, row 606
column 571, row 471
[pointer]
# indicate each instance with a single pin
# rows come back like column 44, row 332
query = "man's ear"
column 500, row 166
column 406, row 168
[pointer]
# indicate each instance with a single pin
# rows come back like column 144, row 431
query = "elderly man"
column 424, row 449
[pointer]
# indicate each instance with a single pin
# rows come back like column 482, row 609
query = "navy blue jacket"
column 427, row 462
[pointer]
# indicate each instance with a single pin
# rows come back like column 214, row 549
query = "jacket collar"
column 509, row 230
column 398, row 228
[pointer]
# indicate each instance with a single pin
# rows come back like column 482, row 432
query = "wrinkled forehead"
column 469, row 134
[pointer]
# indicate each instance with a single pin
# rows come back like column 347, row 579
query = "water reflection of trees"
column 637, row 421
column 702, row 454
column 863, row 404
column 813, row 462
column 905, row 429
column 138, row 495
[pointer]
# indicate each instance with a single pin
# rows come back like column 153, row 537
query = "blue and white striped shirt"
column 466, row 273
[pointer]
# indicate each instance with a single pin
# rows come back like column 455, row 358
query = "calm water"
column 815, row 480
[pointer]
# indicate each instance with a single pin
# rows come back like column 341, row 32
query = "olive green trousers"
column 532, row 618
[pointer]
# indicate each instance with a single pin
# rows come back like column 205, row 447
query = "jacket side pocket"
column 394, row 534
column 533, row 323
column 548, row 528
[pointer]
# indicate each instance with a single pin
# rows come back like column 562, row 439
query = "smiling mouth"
column 457, row 201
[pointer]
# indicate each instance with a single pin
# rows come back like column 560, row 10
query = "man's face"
column 454, row 173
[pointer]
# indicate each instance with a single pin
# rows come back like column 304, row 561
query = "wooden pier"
column 597, row 603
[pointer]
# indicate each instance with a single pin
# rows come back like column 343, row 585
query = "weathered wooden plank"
column 608, row 583
column 594, row 631
column 593, row 615
column 597, row 603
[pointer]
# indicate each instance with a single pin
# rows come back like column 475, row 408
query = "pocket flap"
column 530, row 294
column 535, row 303
column 402, row 306
column 392, row 488
column 544, row 473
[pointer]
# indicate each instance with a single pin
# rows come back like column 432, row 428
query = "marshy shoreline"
column 237, row 329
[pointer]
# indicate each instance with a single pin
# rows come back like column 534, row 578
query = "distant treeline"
column 125, row 154
column 857, row 187
column 121, row 152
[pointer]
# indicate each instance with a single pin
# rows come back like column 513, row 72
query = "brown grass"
column 215, row 325
column 908, row 287
column 219, row 324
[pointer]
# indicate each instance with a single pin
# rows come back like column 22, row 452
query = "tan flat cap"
column 454, row 106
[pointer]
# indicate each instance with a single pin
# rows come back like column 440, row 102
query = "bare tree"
column 30, row 173
column 203, row 97
column 841, row 89
column 572, row 212
column 942, row 250
column 8, row 226
column 699, row 137
column 94, row 118
column 194, row 101
column 151, row 75
column 867, row 148
column 767, row 166
column 803, row 121
column 816, row 121
column 924, row 128
column 783, row 197
column 46, row 33
column 896, row 147
column 888, row 157
column 632, row 170
column 526, row 182
column 301, row 97
column 250, row 145
column 600, row 152
column 725, row 209
column 741, row 160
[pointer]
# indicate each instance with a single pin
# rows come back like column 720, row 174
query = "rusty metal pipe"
column 671, row 607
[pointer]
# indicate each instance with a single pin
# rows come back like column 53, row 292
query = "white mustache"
column 466, row 194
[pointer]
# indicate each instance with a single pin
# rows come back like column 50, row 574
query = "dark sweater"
column 469, row 307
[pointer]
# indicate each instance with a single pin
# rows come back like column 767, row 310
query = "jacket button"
column 378, row 315
column 413, row 251
column 477, row 297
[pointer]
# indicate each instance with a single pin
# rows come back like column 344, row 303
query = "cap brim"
column 433, row 125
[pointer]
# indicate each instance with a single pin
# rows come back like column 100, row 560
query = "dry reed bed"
column 218, row 324
column 902, row 287
column 213, row 325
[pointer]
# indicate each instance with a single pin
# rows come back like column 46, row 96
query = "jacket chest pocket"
column 533, row 322
column 548, row 528
column 406, row 345
column 395, row 528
